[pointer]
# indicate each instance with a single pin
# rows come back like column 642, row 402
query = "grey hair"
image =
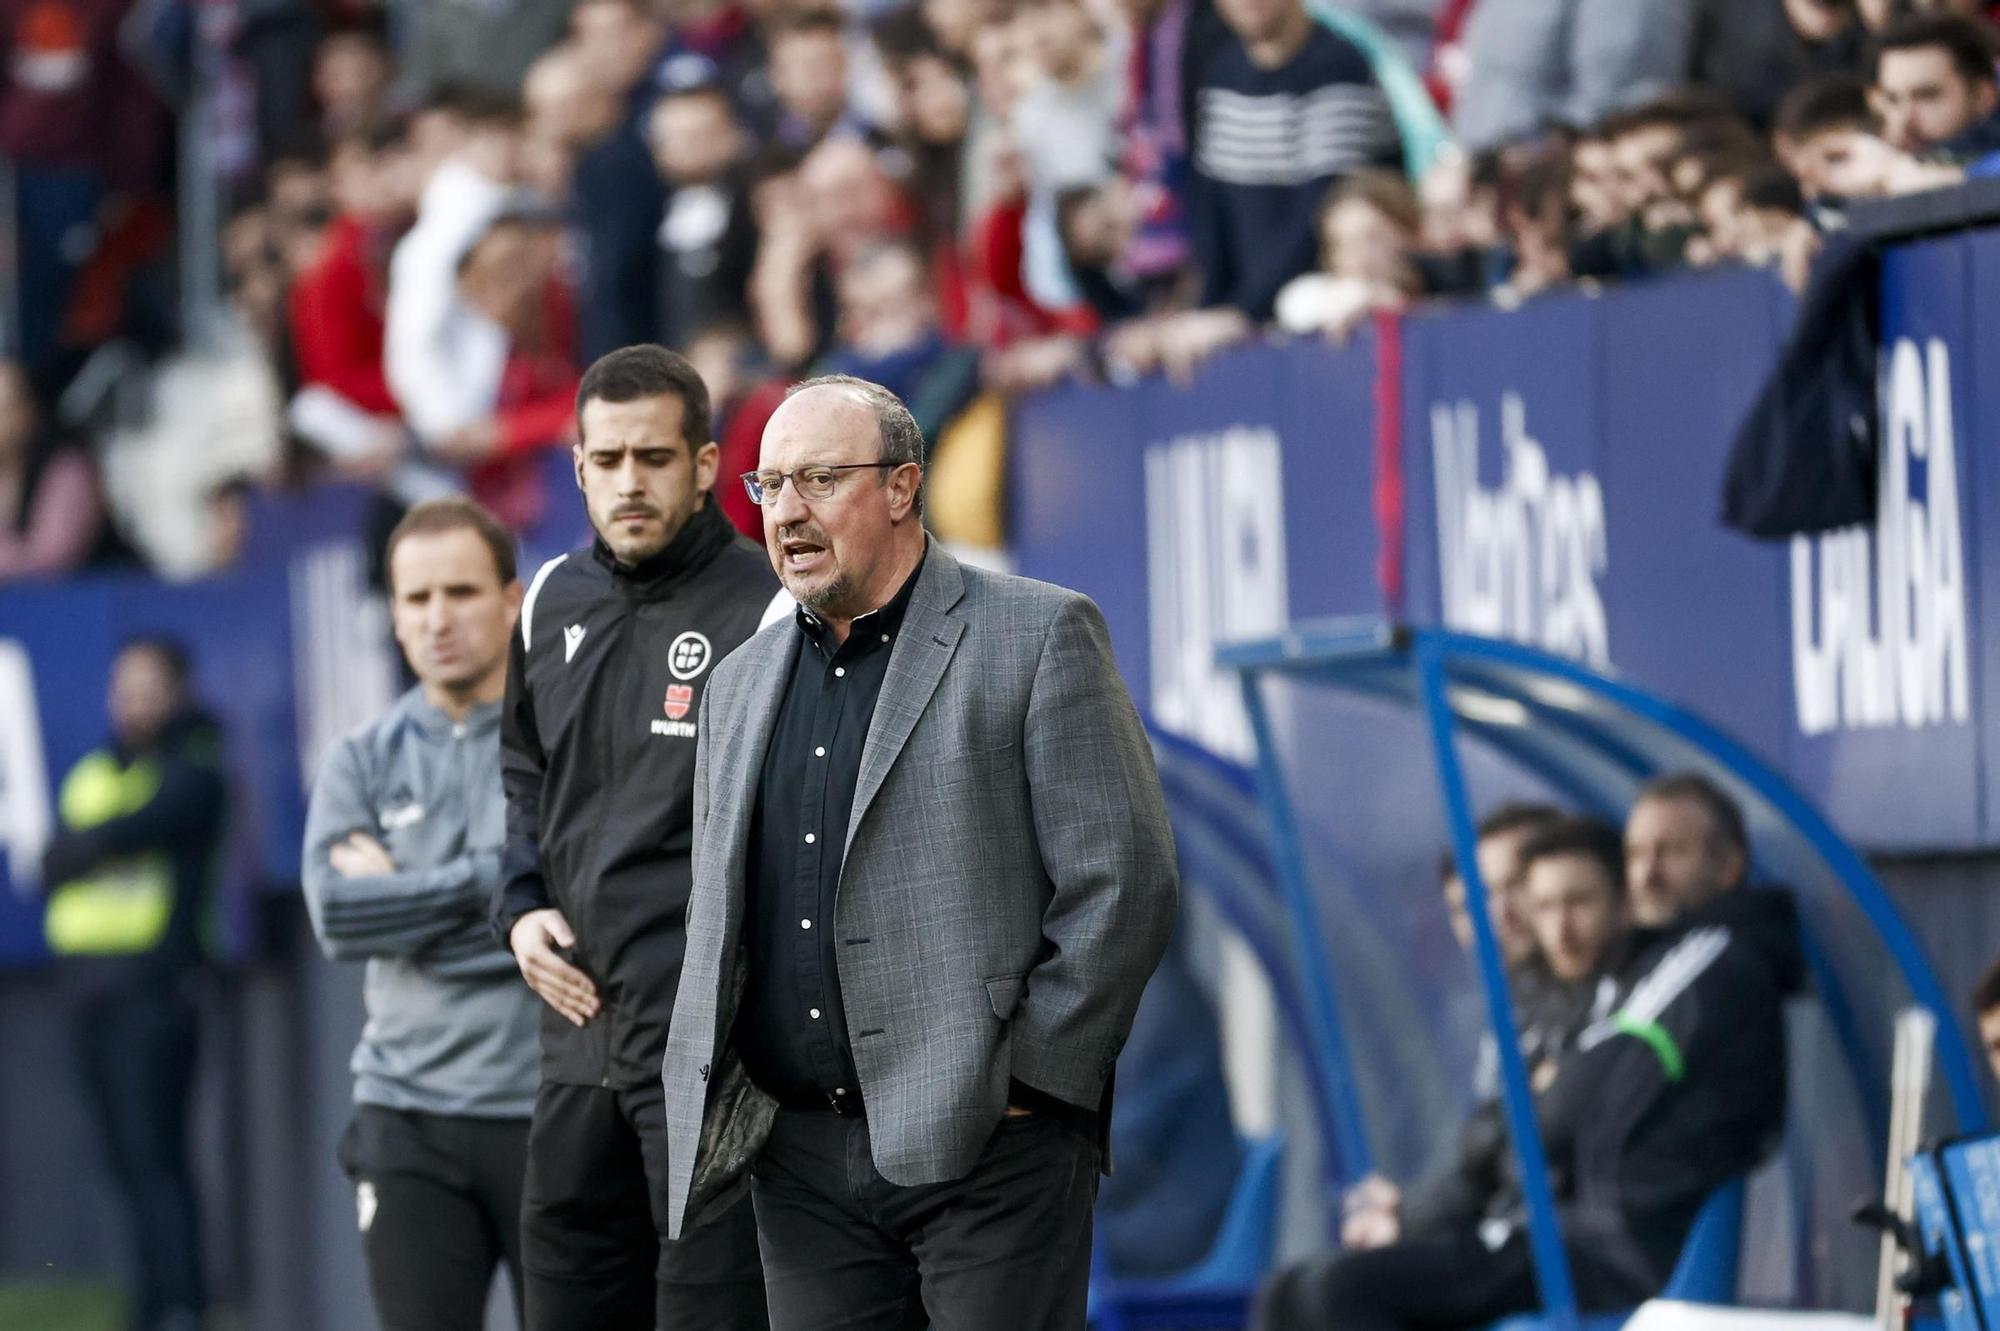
column 902, row 439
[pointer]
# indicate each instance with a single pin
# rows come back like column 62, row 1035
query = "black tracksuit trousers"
column 438, row 1199
column 594, row 1230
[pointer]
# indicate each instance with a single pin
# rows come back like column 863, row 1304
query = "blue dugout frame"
column 1446, row 675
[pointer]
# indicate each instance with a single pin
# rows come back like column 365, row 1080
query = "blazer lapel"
column 764, row 677
column 916, row 665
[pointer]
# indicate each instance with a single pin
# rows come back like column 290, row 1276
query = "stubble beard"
column 831, row 597
column 671, row 523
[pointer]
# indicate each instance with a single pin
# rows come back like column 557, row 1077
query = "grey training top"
column 452, row 1028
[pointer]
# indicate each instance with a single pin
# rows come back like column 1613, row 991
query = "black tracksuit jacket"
column 1681, row 1089
column 597, row 756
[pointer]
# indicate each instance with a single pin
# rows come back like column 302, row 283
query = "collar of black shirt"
column 877, row 628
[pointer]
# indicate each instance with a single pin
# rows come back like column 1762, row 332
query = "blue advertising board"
column 1980, row 505
column 1205, row 512
column 1561, row 471
column 287, row 653
column 1570, row 451
column 62, row 640
column 1883, row 619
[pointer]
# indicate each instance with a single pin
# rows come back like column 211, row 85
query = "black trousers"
column 438, row 1198
column 1007, row 1247
column 594, row 1231
column 1446, row 1282
column 136, row 1045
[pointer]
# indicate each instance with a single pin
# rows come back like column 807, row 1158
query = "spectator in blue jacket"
column 592, row 94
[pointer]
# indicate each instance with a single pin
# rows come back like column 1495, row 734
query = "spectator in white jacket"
column 444, row 357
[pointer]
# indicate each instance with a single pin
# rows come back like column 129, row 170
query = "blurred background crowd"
column 263, row 242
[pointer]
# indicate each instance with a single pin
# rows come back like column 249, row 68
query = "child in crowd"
column 1368, row 235
column 708, row 235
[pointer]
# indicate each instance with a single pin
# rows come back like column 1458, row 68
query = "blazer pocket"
column 977, row 769
column 1004, row 992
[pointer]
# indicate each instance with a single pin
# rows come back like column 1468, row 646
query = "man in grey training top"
column 402, row 853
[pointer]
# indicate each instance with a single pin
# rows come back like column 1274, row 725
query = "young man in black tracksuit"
column 598, row 736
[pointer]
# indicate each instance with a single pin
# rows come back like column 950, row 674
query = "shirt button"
column 885, row 637
column 805, row 924
column 813, row 1012
column 840, row 1090
column 810, row 838
column 820, row 752
column 839, row 671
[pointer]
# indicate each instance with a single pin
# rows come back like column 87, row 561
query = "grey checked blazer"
column 1008, row 887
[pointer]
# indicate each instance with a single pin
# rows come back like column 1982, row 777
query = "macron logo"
column 572, row 639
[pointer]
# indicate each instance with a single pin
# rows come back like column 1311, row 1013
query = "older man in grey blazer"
column 932, row 874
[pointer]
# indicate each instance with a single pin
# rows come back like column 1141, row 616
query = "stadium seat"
column 1705, row 1273
column 1215, row 1292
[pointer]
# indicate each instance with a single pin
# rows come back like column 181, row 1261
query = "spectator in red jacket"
column 337, row 303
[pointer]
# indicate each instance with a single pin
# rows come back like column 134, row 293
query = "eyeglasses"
column 818, row 481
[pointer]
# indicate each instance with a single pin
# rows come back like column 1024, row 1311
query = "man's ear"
column 904, row 483
column 576, row 463
column 707, row 461
column 1737, row 864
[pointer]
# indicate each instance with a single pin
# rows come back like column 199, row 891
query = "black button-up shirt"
column 792, row 1028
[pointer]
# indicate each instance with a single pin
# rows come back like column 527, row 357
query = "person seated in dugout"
column 1539, row 1015
column 1675, row 1086
column 1564, row 888
column 1549, row 1013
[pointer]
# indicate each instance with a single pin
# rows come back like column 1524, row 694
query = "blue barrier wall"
column 1560, row 471
column 66, row 636
column 290, row 652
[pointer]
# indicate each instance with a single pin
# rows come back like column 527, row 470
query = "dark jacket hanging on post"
column 1804, row 458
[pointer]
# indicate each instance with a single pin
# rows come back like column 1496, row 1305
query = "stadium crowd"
column 441, row 212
